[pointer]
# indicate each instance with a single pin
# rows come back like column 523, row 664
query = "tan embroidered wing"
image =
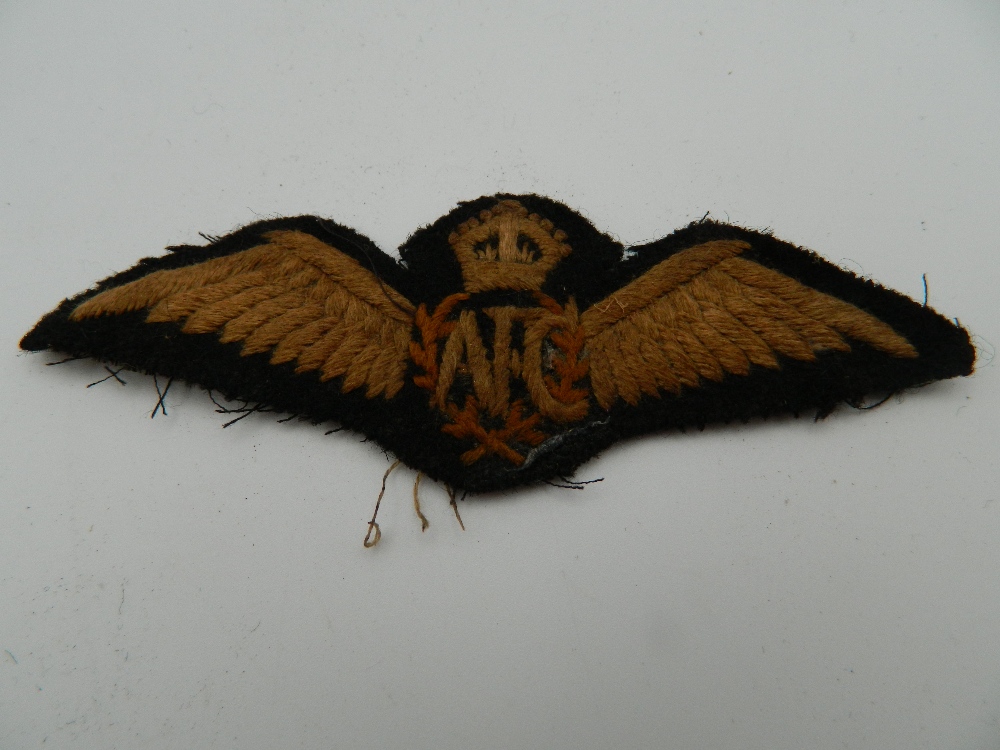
column 706, row 312
column 295, row 297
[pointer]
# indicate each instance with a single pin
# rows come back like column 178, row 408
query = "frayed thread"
column 572, row 484
column 160, row 405
column 372, row 525
column 112, row 374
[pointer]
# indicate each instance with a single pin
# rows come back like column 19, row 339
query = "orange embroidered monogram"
column 514, row 341
column 550, row 383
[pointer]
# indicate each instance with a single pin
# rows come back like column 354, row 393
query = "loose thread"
column 925, row 289
column 424, row 523
column 244, row 411
column 113, row 374
column 572, row 484
column 581, row 481
column 160, row 405
column 372, row 526
column 985, row 351
column 63, row 361
column 220, row 409
column 877, row 404
column 454, row 506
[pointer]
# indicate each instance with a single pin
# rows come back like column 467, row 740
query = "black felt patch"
column 513, row 341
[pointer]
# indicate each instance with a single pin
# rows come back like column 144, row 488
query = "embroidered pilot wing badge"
column 513, row 341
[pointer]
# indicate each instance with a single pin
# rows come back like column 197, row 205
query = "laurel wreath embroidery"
column 570, row 363
column 466, row 424
column 561, row 327
column 433, row 328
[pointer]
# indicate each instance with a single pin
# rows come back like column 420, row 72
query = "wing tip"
column 34, row 340
column 47, row 332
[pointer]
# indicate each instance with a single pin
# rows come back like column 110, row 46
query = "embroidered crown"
column 507, row 248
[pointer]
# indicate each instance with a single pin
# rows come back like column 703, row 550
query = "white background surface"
column 165, row 584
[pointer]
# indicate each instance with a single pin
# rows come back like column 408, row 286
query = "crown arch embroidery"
column 507, row 248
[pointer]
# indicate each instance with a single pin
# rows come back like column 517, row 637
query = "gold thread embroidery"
column 701, row 314
column 705, row 313
column 557, row 400
column 296, row 297
column 464, row 350
column 507, row 248
column 432, row 329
